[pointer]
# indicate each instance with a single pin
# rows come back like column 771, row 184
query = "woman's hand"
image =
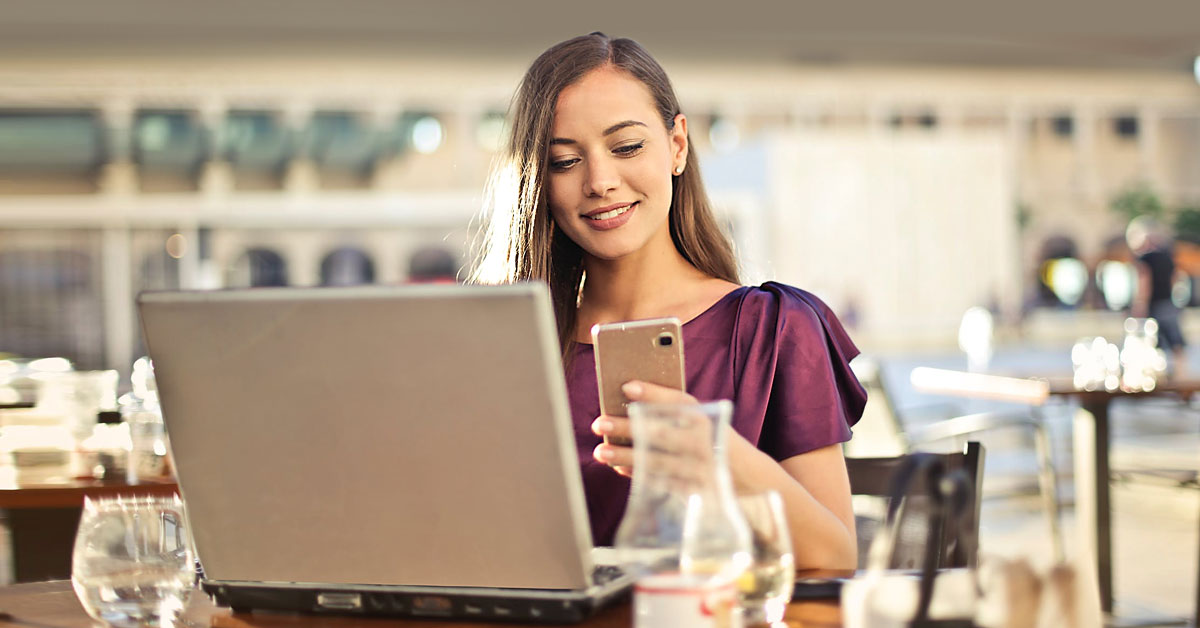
column 814, row 486
column 620, row 457
column 617, row 456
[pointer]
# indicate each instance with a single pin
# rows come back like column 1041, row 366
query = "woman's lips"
column 611, row 221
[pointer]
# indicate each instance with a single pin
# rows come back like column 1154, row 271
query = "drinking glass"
column 766, row 588
column 133, row 563
column 78, row 396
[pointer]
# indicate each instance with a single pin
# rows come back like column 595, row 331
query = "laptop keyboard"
column 603, row 574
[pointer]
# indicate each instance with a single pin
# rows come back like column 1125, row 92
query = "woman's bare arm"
column 814, row 485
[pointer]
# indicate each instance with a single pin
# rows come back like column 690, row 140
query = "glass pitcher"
column 682, row 515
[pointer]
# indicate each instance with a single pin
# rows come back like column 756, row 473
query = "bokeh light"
column 1181, row 291
column 724, row 135
column 176, row 245
column 489, row 133
column 1115, row 281
column 1067, row 277
column 426, row 135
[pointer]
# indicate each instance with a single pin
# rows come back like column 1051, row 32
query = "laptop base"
column 500, row 605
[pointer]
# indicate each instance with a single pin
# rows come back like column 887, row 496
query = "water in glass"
column 133, row 564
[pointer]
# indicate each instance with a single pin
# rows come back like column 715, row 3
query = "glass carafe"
column 682, row 515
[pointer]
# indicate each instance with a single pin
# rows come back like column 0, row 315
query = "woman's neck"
column 654, row 282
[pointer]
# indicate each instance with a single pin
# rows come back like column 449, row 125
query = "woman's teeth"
column 612, row 213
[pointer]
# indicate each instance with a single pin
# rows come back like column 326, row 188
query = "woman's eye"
column 629, row 149
column 562, row 164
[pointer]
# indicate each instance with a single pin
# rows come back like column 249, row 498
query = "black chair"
column 917, row 512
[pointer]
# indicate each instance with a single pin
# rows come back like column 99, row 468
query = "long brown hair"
column 521, row 241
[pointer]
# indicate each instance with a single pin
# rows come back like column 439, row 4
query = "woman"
column 600, row 196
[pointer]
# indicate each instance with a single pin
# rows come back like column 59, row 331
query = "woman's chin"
column 610, row 253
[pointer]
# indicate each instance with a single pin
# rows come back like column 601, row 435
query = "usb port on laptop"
column 340, row 601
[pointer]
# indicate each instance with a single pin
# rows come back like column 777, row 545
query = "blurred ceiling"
column 1133, row 34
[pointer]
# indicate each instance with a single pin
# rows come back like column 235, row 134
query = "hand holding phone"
column 647, row 350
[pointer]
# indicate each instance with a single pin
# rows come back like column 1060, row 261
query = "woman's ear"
column 679, row 142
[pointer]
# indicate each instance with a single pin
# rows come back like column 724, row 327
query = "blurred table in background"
column 42, row 517
column 1093, row 440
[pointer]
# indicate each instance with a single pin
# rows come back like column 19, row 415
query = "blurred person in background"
column 1156, row 277
column 600, row 196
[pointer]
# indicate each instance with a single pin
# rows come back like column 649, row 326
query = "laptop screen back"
column 381, row 435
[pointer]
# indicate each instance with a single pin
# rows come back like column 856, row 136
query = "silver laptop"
column 378, row 450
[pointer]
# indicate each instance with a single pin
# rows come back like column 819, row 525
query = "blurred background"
column 903, row 162
column 950, row 177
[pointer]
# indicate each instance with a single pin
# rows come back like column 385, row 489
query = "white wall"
column 914, row 228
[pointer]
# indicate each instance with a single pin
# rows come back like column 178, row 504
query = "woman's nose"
column 601, row 178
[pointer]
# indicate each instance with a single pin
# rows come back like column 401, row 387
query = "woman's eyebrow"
column 609, row 131
column 620, row 125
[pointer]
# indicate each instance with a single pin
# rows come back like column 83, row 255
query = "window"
column 432, row 264
column 910, row 118
column 255, row 141
column 51, row 295
column 259, row 267
column 1063, row 125
column 168, row 141
column 50, row 141
column 1125, row 127
column 347, row 266
column 339, row 141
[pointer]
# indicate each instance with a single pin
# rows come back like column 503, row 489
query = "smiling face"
column 610, row 165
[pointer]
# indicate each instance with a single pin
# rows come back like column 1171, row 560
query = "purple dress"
column 777, row 352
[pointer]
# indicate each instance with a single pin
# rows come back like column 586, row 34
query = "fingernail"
column 603, row 454
column 632, row 389
column 602, row 426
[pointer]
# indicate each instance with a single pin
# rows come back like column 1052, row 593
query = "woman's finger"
column 617, row 427
column 653, row 393
column 613, row 455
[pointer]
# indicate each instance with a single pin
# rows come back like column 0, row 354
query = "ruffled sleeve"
column 794, row 386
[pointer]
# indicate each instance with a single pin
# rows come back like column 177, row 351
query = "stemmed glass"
column 133, row 563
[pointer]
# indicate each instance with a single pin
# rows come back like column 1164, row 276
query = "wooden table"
column 54, row 605
column 42, row 517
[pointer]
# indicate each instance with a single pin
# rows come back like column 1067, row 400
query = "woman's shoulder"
column 778, row 313
column 769, row 313
column 784, row 301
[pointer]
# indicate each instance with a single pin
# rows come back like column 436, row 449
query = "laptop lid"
column 412, row 435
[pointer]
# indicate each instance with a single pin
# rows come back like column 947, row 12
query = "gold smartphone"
column 647, row 350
